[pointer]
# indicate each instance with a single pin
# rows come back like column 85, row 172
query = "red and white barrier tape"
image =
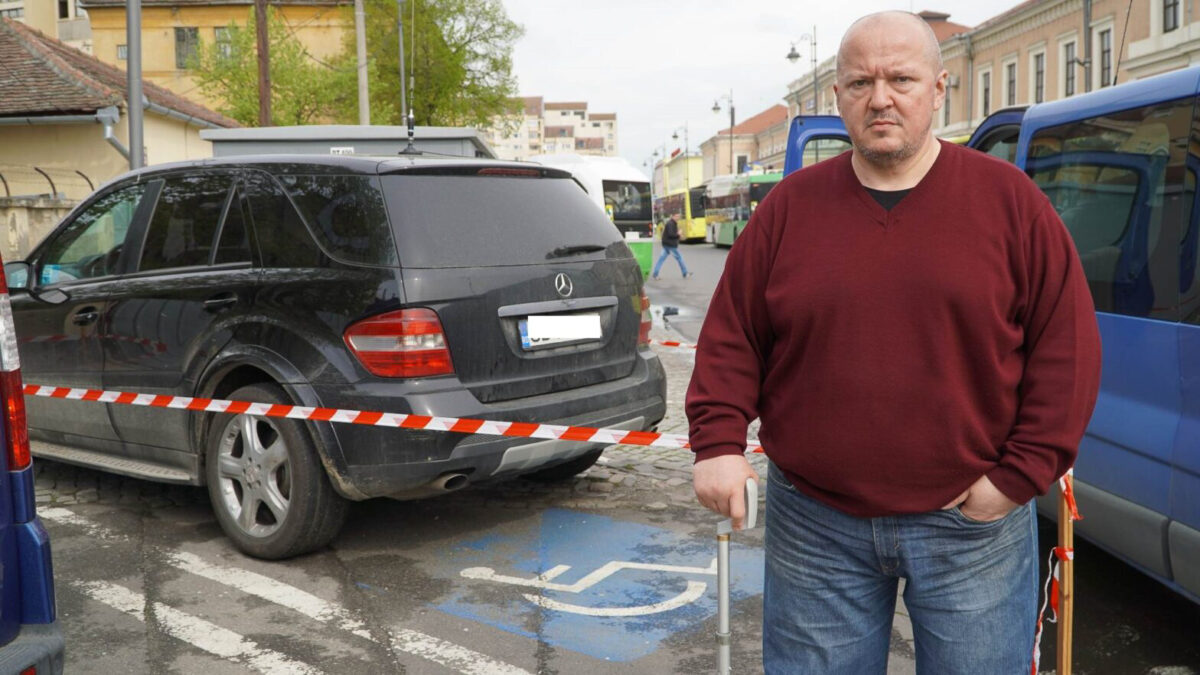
column 672, row 343
column 1051, row 592
column 399, row 420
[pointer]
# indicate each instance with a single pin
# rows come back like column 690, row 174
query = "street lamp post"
column 687, row 166
column 716, row 109
column 794, row 56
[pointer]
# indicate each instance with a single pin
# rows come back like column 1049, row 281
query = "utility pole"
column 133, row 74
column 360, row 35
column 264, row 63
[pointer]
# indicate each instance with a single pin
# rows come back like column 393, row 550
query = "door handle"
column 85, row 316
column 220, row 301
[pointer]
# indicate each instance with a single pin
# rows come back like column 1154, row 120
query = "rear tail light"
column 15, row 432
column 644, row 327
column 404, row 343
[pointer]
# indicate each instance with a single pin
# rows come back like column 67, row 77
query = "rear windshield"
column 485, row 221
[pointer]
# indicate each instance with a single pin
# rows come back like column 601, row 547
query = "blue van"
column 1121, row 167
column 31, row 642
column 812, row 138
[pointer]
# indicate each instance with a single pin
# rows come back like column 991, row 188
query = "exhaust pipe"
column 449, row 482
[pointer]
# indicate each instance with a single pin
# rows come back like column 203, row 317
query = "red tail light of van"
column 404, row 343
column 15, row 431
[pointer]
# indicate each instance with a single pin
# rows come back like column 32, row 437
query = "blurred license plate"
column 544, row 331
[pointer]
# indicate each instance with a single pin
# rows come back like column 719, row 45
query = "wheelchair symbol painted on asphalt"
column 607, row 588
column 694, row 590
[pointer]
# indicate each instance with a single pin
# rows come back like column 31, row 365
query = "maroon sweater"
column 894, row 357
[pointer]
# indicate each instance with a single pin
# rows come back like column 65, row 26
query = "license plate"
column 538, row 331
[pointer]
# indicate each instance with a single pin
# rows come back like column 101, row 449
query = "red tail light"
column 15, row 431
column 644, row 327
column 405, row 343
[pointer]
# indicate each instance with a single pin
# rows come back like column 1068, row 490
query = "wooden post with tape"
column 1066, row 581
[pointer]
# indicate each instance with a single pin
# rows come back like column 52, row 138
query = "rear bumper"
column 382, row 461
column 38, row 645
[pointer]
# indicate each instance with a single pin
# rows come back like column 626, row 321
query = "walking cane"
column 1067, row 514
column 724, row 528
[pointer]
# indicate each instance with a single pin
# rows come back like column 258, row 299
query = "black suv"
column 406, row 285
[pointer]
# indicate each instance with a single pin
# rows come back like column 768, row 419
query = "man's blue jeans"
column 669, row 250
column 831, row 581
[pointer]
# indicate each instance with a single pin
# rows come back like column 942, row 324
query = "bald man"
column 912, row 325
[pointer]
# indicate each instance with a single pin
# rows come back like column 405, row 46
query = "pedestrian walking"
column 670, row 246
column 912, row 326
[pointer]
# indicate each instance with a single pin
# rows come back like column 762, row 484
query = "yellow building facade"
column 171, row 31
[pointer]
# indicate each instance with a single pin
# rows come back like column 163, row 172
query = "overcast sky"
column 659, row 64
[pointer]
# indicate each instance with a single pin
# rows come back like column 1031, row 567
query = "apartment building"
column 172, row 31
column 61, row 19
column 1040, row 50
column 554, row 127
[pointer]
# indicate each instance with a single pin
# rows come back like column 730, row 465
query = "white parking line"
column 196, row 631
column 271, row 590
column 451, row 655
column 185, row 626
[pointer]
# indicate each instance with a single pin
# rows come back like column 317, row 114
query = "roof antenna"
column 410, row 149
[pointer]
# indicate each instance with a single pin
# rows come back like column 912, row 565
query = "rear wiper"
column 572, row 250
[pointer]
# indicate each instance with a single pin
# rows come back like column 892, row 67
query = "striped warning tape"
column 672, row 343
column 381, row 419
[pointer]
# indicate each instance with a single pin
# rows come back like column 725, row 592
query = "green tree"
column 462, row 63
column 303, row 91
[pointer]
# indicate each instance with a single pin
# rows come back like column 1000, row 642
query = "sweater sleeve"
column 722, row 398
column 1062, row 365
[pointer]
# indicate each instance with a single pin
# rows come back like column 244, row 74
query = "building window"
column 224, row 45
column 1039, row 77
column 985, row 89
column 1069, row 69
column 1170, row 15
column 1010, row 83
column 186, row 41
column 122, row 52
column 15, row 13
column 1105, row 57
column 64, row 9
column 742, row 161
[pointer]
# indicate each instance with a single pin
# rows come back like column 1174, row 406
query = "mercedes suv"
column 439, row 287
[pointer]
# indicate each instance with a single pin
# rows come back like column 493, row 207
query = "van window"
column 1189, row 254
column 821, row 149
column 347, row 215
column 185, row 221
column 1118, row 183
column 487, row 221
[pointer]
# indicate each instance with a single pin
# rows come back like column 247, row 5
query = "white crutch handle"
column 751, row 495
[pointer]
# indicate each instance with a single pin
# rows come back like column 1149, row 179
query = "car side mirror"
column 17, row 274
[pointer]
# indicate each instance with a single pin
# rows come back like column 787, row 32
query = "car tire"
column 271, row 495
column 566, row 470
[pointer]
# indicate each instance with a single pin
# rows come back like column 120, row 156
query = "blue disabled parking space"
column 607, row 588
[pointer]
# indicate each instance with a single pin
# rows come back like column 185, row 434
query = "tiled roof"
column 942, row 27
column 533, row 105
column 764, row 120
column 568, row 105
column 42, row 76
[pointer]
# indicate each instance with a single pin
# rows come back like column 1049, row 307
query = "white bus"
column 613, row 184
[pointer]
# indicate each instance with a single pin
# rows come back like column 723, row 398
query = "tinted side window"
column 233, row 244
column 1118, row 182
column 821, row 149
column 185, row 221
column 91, row 245
column 347, row 215
column 1002, row 143
column 1189, row 253
column 283, row 240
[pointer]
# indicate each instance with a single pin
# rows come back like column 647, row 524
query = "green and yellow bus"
column 689, row 204
column 731, row 200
